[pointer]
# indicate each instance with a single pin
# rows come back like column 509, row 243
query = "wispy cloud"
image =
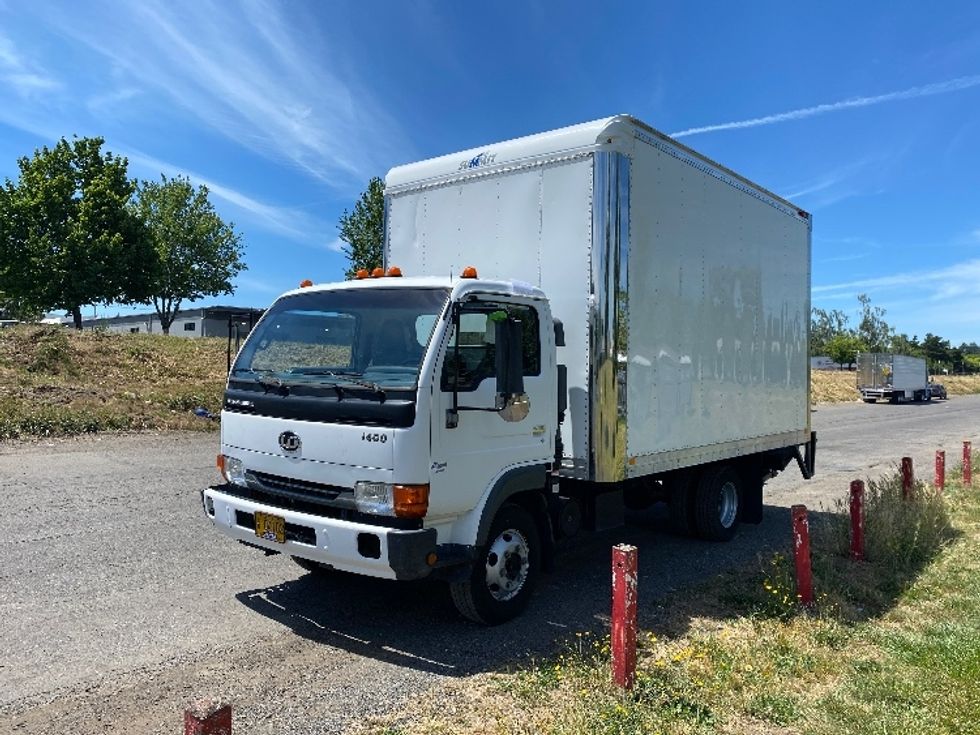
column 950, row 85
column 287, row 221
column 254, row 74
column 24, row 76
column 99, row 104
column 260, row 286
column 940, row 282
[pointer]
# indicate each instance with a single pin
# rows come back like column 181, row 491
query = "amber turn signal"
column 411, row 501
column 394, row 271
column 468, row 272
column 220, row 462
column 305, row 283
column 378, row 273
column 361, row 274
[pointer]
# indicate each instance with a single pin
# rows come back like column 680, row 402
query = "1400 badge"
column 369, row 437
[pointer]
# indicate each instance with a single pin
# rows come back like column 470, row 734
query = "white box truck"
column 567, row 324
column 894, row 378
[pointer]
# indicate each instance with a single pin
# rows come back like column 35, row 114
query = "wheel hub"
column 507, row 565
column 728, row 504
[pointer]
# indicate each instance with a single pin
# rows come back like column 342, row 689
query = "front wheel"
column 716, row 504
column 506, row 571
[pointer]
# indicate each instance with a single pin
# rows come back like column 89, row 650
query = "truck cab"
column 378, row 426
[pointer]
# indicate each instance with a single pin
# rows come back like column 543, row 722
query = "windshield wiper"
column 275, row 383
column 347, row 378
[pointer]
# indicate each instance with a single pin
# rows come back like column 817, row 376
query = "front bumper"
column 374, row 551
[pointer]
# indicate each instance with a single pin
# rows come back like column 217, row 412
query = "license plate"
column 270, row 527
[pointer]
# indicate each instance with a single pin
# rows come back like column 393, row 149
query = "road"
column 120, row 604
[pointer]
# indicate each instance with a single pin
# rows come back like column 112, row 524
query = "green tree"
column 68, row 238
column 843, row 348
column 197, row 253
column 902, row 344
column 873, row 329
column 936, row 351
column 824, row 326
column 363, row 229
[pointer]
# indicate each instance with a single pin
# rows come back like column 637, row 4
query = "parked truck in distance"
column 894, row 378
column 567, row 325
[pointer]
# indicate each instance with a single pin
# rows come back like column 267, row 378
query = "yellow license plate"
column 270, row 527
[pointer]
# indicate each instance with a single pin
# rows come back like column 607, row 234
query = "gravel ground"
column 119, row 604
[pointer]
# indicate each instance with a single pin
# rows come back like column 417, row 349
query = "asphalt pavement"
column 119, row 603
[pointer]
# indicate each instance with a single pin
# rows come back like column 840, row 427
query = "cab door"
column 484, row 444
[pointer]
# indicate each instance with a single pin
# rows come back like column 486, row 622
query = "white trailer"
column 592, row 318
column 890, row 377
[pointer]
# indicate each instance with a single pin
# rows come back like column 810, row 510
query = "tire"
column 498, row 589
column 716, row 503
column 869, row 400
column 680, row 503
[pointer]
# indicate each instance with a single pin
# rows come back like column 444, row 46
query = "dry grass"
column 959, row 385
column 840, row 386
column 57, row 381
column 833, row 386
column 893, row 646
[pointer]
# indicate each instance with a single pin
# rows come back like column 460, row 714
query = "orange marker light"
column 468, row 272
column 361, row 274
column 411, row 501
column 378, row 273
column 305, row 283
column 395, row 272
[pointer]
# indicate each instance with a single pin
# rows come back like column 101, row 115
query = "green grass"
column 893, row 645
column 57, row 382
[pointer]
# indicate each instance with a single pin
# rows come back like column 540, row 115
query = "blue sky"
column 867, row 115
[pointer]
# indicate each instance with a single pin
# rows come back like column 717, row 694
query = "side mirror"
column 509, row 339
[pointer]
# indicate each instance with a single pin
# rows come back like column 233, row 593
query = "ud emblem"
column 289, row 441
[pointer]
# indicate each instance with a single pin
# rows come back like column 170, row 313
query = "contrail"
column 952, row 85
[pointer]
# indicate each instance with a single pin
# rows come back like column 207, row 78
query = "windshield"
column 372, row 338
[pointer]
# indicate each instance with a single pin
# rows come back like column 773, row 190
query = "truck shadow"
column 415, row 625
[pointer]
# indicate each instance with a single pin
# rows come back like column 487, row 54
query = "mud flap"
column 750, row 507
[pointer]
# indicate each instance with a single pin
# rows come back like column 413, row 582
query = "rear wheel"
column 506, row 571
column 716, row 503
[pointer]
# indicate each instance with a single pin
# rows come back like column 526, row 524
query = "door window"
column 476, row 350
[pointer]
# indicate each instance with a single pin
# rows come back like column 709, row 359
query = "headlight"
column 374, row 498
column 385, row 499
column 234, row 471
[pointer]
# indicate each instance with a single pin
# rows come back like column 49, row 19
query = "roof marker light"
column 468, row 272
column 378, row 273
column 361, row 273
column 305, row 283
column 394, row 271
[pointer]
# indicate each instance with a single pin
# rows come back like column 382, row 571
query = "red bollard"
column 940, row 470
column 624, row 615
column 857, row 520
column 907, row 478
column 967, row 469
column 207, row 717
column 801, row 554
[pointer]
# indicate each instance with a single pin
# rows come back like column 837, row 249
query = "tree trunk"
column 76, row 316
column 166, row 329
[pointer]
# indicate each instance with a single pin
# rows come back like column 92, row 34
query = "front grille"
column 276, row 482
column 294, row 532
